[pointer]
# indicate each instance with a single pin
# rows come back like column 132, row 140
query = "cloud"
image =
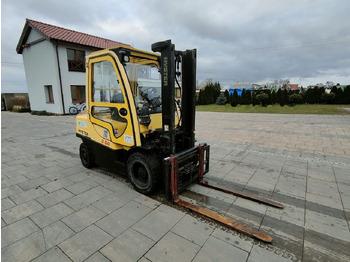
column 236, row 40
column 13, row 78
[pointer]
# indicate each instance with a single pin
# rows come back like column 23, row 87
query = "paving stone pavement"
column 54, row 209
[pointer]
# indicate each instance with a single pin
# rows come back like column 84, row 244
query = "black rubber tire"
column 143, row 171
column 73, row 110
column 86, row 156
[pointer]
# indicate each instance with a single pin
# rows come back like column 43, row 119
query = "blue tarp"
column 239, row 90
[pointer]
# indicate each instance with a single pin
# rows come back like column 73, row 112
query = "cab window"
column 106, row 90
column 145, row 82
column 106, row 86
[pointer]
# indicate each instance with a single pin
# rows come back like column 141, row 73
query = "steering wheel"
column 150, row 90
column 156, row 101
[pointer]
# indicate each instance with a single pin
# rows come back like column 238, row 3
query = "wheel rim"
column 84, row 156
column 141, row 175
column 73, row 110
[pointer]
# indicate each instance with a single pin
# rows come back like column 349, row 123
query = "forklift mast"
column 186, row 162
column 182, row 139
column 189, row 58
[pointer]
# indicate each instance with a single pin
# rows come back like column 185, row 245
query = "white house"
column 54, row 64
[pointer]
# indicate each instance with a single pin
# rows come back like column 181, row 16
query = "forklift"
column 134, row 123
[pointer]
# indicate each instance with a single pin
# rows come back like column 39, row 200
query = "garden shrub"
column 42, row 113
column 221, row 100
column 20, row 104
column 295, row 99
column 262, row 99
column 234, row 99
column 327, row 98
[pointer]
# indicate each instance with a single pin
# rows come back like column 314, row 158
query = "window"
column 113, row 116
column 145, row 81
column 106, row 87
column 76, row 60
column 78, row 94
column 48, row 94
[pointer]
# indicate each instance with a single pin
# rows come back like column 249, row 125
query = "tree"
column 245, row 98
column 262, row 99
column 282, row 97
column 346, row 95
column 254, row 101
column 278, row 96
column 201, row 98
column 221, row 100
column 318, row 94
column 227, row 95
column 273, row 97
column 209, row 93
column 327, row 98
column 338, row 94
column 308, row 96
column 269, row 100
column 295, row 99
column 329, row 84
column 234, row 98
column 249, row 97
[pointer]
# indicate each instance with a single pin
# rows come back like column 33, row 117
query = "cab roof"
column 131, row 51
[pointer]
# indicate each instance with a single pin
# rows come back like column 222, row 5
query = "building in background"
column 240, row 87
column 54, row 64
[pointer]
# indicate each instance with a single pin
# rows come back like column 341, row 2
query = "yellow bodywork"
column 97, row 122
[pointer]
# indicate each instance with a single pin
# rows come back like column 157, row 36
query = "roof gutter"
column 60, row 77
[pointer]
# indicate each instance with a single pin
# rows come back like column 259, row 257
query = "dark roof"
column 52, row 32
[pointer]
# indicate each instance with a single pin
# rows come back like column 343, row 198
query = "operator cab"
column 125, row 98
column 145, row 82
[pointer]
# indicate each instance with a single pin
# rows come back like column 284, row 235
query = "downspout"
column 60, row 77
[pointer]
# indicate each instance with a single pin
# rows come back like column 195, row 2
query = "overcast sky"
column 237, row 40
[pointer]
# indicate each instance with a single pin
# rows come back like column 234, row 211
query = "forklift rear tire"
column 143, row 172
column 86, row 156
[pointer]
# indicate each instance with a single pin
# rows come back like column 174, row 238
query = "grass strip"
column 277, row 109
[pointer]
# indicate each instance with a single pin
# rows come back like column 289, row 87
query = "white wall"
column 69, row 78
column 40, row 70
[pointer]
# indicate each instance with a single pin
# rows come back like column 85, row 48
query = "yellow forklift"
column 134, row 123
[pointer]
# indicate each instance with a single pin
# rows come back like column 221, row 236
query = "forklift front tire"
column 86, row 156
column 143, row 172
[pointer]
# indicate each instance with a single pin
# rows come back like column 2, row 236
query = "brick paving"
column 54, row 209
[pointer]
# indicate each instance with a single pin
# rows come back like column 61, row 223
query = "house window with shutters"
column 76, row 60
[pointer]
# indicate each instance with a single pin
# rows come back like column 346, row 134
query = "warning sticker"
column 82, row 124
column 105, row 133
column 128, row 139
